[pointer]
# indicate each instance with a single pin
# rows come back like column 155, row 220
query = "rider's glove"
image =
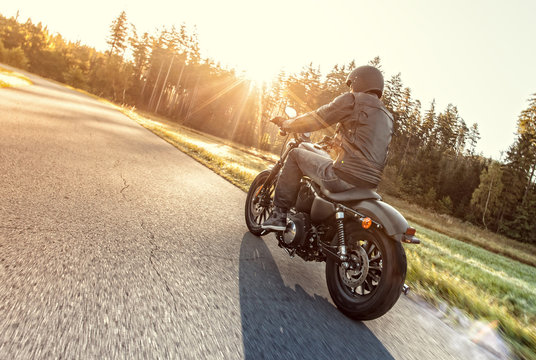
column 278, row 120
column 285, row 126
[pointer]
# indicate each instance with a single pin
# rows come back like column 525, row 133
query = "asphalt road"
column 113, row 244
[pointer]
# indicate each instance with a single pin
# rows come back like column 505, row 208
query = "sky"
column 477, row 55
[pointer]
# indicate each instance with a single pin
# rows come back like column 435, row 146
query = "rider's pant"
column 302, row 162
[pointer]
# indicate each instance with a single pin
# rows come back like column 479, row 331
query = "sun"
column 260, row 74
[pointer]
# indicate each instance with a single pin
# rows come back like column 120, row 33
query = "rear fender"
column 392, row 221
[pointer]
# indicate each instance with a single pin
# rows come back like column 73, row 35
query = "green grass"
column 479, row 280
column 10, row 78
column 487, row 286
column 466, row 232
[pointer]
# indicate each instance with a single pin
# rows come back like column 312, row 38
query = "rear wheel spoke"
column 371, row 249
column 375, row 258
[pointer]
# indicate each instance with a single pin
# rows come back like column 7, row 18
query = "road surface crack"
column 152, row 257
column 125, row 186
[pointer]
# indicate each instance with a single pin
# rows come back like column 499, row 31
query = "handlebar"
column 326, row 141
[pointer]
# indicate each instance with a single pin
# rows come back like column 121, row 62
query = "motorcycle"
column 357, row 234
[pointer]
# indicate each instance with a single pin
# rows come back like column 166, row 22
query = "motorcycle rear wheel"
column 258, row 207
column 374, row 285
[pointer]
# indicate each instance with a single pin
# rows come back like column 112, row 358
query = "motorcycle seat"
column 355, row 194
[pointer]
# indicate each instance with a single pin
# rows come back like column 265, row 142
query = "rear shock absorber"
column 343, row 252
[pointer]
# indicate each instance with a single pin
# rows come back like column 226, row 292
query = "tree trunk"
column 192, row 99
column 164, row 85
column 155, row 85
column 176, row 96
column 528, row 183
column 140, row 97
column 487, row 201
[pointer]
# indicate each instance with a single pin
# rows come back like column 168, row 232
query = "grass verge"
column 236, row 163
column 479, row 280
column 460, row 230
column 10, row 78
column 487, row 286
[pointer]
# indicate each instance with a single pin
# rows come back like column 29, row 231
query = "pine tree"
column 447, row 125
column 118, row 35
column 519, row 174
column 392, row 93
column 376, row 62
column 527, row 130
column 472, row 137
column 335, row 84
column 140, row 53
column 527, row 120
column 428, row 128
column 462, row 133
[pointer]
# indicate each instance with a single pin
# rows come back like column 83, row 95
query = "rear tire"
column 378, row 284
column 255, row 211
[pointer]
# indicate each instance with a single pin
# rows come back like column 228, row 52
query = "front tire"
column 374, row 284
column 259, row 203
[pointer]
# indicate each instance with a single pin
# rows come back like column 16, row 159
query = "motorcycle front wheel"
column 259, row 203
column 373, row 282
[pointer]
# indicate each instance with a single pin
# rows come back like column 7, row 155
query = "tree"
column 527, row 120
column 14, row 57
column 447, row 126
column 527, row 129
column 472, row 137
column 140, row 53
column 485, row 198
column 392, row 93
column 376, row 62
column 118, row 35
column 335, row 84
column 428, row 127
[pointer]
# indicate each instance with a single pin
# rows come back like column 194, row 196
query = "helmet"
column 366, row 79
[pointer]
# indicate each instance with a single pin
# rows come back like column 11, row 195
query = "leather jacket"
column 364, row 132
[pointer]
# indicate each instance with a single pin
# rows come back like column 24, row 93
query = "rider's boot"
column 277, row 220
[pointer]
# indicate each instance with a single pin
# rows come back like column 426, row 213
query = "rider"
column 363, row 134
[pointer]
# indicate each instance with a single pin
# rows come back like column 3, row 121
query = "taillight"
column 409, row 236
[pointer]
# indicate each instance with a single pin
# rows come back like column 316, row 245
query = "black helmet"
column 366, row 79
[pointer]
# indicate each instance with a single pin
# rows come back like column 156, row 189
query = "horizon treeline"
column 432, row 160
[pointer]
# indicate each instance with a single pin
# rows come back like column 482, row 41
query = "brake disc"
column 358, row 271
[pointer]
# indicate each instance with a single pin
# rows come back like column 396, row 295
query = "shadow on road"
column 281, row 322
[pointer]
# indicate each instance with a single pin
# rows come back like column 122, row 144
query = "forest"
column 432, row 158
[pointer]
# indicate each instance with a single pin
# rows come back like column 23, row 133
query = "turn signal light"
column 410, row 231
column 366, row 222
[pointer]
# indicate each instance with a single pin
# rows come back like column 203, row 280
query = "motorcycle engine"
column 298, row 227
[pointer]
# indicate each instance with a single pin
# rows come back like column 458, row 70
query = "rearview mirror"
column 291, row 112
